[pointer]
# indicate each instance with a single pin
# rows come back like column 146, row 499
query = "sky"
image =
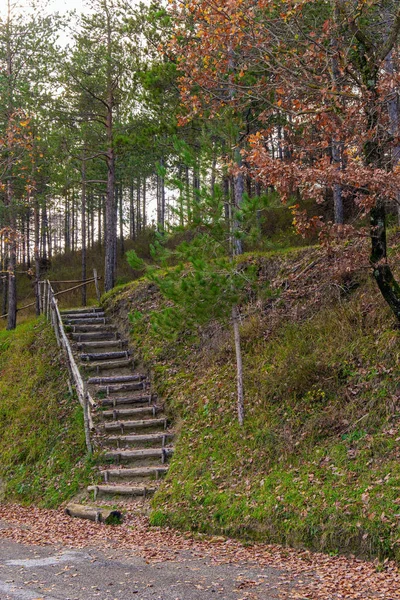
column 60, row 6
column 64, row 5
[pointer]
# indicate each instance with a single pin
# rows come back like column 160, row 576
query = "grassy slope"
column 42, row 437
column 317, row 462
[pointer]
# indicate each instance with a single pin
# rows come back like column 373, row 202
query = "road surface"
column 45, row 573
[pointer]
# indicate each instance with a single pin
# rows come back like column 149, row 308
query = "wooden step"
column 141, row 454
column 105, row 365
column 121, row 490
column 155, row 473
column 87, row 321
column 101, row 344
column 161, row 439
column 90, row 328
column 105, row 355
column 139, row 424
column 116, row 401
column 135, row 377
column 124, row 387
column 83, row 316
column 130, row 412
column 94, row 336
column 91, row 309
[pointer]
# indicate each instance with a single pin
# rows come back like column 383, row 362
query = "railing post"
column 39, row 295
column 86, row 419
column 44, row 308
column 48, row 299
column 54, row 320
column 96, row 283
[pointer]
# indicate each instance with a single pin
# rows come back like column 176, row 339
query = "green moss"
column 317, row 462
column 42, row 446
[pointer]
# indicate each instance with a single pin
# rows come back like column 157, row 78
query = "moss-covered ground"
column 317, row 461
column 42, row 444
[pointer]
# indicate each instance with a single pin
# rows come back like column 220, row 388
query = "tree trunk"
column 132, row 212
column 387, row 284
column 121, row 220
column 337, row 146
column 187, row 194
column 138, row 207
column 227, row 203
column 73, row 222
column 109, row 266
column 238, row 191
column 144, row 203
column 99, row 213
column 36, row 218
column 111, row 233
column 28, row 238
column 48, row 235
column 12, row 283
column 239, row 365
column 196, row 193
column 374, row 156
column 83, row 231
column 394, row 119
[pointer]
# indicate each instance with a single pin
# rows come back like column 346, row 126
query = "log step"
column 101, row 344
column 116, row 379
column 106, row 365
column 125, row 400
column 105, row 355
column 94, row 513
column 152, row 438
column 130, row 412
column 125, row 490
column 79, row 316
column 160, row 453
column 90, row 328
column 157, row 472
column 125, row 387
column 122, row 425
column 73, row 311
column 87, row 321
column 94, row 336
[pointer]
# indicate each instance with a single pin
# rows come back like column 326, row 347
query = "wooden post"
column 86, row 418
column 96, row 283
column 39, row 297
column 44, row 308
column 48, row 300
column 54, row 320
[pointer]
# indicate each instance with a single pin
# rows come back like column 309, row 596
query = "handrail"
column 49, row 307
column 95, row 279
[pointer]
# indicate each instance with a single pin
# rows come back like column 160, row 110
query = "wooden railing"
column 49, row 307
column 43, row 298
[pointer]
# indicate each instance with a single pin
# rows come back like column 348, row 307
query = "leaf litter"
column 304, row 575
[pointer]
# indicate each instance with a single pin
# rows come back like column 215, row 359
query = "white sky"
column 61, row 6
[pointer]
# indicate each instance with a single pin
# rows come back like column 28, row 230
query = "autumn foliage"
column 315, row 85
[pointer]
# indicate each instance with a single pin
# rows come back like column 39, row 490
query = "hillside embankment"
column 42, row 442
column 317, row 462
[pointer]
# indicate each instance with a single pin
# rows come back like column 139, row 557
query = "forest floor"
column 48, row 556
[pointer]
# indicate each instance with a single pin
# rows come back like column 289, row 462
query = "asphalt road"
column 48, row 573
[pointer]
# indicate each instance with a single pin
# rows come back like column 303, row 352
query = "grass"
column 42, row 444
column 317, row 463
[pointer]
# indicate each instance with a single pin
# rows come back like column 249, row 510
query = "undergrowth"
column 317, row 462
column 42, row 441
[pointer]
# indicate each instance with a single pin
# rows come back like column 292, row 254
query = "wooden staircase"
column 130, row 426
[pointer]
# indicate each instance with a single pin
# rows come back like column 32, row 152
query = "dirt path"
column 45, row 555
